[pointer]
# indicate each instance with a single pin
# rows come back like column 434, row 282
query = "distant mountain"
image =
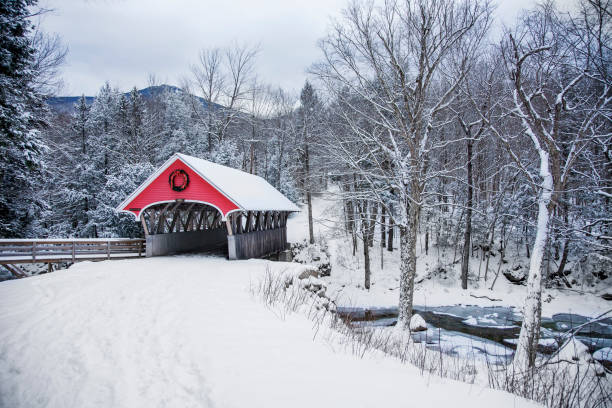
column 66, row 104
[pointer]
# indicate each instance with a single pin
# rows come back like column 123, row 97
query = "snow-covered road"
column 186, row 332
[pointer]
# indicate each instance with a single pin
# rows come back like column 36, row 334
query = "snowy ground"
column 346, row 282
column 186, row 332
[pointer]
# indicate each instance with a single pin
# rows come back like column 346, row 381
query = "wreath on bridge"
column 179, row 180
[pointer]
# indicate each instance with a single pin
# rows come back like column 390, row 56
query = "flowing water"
column 487, row 331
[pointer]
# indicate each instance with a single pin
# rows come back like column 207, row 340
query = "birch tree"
column 560, row 92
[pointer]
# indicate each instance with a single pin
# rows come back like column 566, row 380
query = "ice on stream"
column 504, row 321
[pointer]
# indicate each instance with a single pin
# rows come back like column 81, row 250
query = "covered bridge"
column 191, row 204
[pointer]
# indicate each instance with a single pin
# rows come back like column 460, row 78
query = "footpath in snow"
column 186, row 332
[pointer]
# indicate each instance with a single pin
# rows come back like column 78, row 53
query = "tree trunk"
column 408, row 241
column 561, row 269
column 367, row 217
column 366, row 259
column 383, row 227
column 373, row 215
column 390, row 233
column 308, row 194
column 465, row 262
column 526, row 348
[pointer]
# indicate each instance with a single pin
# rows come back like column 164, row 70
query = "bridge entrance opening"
column 180, row 226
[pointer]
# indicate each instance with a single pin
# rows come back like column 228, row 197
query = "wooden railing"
column 15, row 251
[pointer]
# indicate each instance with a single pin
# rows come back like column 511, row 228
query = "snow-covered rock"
column 417, row 323
column 604, row 354
column 312, row 254
column 596, row 267
column 309, row 272
column 516, row 275
column 574, row 350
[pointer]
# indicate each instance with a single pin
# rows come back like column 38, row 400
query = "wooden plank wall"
column 257, row 243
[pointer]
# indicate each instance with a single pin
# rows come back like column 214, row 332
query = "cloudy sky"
column 123, row 41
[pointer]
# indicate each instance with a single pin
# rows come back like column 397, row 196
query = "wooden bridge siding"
column 257, row 243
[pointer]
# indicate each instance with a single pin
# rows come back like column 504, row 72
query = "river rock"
column 596, row 266
column 604, row 354
column 312, row 254
column 417, row 323
column 309, row 273
column 517, row 275
column 575, row 350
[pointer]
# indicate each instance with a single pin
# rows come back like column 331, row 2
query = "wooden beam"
column 16, row 271
column 249, row 224
column 144, row 225
column 228, row 224
column 239, row 229
column 201, row 218
column 258, row 221
column 152, row 219
column 161, row 220
column 189, row 217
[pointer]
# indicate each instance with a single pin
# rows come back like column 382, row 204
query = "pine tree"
column 22, row 112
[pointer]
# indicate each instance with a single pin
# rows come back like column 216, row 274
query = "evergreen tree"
column 22, row 112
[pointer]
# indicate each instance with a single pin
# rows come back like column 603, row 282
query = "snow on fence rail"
column 14, row 251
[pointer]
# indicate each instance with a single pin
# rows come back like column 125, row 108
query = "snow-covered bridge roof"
column 192, row 179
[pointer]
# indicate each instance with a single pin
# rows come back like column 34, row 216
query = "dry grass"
column 563, row 384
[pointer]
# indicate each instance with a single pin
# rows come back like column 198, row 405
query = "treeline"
column 99, row 154
column 481, row 141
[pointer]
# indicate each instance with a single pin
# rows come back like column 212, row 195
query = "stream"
column 489, row 332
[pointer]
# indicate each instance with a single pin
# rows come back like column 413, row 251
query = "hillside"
column 65, row 104
column 185, row 332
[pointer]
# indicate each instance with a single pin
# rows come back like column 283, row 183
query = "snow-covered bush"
column 312, row 254
column 569, row 378
column 596, row 268
column 516, row 275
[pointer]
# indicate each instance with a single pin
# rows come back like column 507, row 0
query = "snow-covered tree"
column 309, row 127
column 22, row 113
column 406, row 60
column 561, row 93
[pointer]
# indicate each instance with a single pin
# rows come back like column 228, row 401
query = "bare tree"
column 222, row 77
column 406, row 60
column 50, row 55
column 560, row 92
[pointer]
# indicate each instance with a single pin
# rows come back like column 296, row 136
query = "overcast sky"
column 122, row 41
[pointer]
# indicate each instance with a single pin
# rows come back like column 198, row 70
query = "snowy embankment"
column 186, row 332
column 438, row 278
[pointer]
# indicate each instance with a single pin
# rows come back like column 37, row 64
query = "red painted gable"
column 160, row 190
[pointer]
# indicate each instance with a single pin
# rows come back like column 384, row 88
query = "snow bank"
column 438, row 282
column 604, row 354
column 186, row 332
column 417, row 323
